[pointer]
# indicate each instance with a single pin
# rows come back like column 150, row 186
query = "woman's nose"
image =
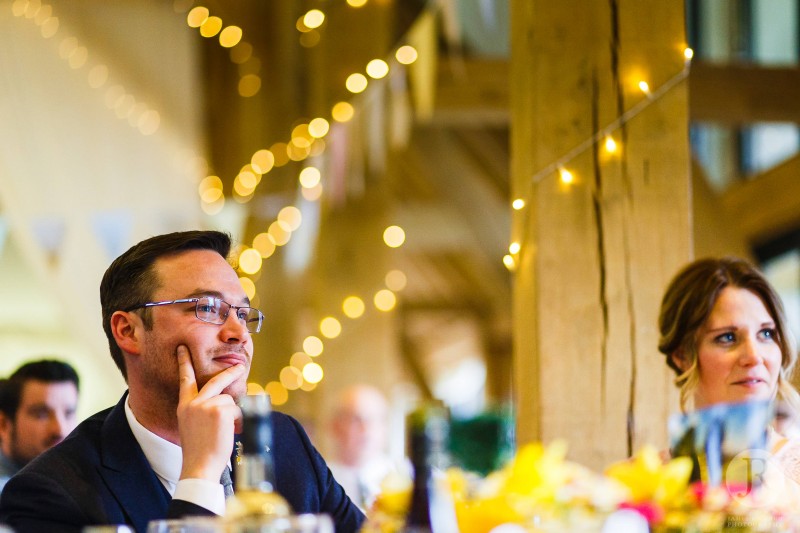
column 750, row 352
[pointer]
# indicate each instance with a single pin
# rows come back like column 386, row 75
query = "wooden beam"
column 473, row 91
column 716, row 231
column 739, row 94
column 477, row 91
column 597, row 253
column 766, row 205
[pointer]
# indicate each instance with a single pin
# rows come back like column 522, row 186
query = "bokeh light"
column 291, row 216
column 342, row 112
column 385, row 300
column 394, row 236
column 406, row 54
column 278, row 394
column 211, row 26
column 262, row 161
column 299, row 360
column 313, row 373
column 377, row 68
column 197, row 16
column 330, row 327
column 312, row 345
column 279, row 233
column 395, row 280
column 353, row 307
column 250, row 261
column 318, row 127
column 230, row 36
column 314, row 18
column 291, row 377
column 309, row 177
column 249, row 287
column 254, row 389
column 356, row 83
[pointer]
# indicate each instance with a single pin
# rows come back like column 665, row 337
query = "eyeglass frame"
column 196, row 301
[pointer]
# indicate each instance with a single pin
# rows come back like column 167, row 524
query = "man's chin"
column 236, row 390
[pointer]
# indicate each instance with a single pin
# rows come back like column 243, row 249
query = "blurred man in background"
column 37, row 410
column 359, row 427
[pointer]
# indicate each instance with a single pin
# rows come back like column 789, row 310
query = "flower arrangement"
column 539, row 490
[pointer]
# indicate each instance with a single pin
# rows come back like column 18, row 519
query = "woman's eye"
column 726, row 338
column 768, row 333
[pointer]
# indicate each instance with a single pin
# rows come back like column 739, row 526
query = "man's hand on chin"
column 207, row 419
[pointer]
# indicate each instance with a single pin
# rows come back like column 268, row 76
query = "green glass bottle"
column 431, row 509
column 254, row 493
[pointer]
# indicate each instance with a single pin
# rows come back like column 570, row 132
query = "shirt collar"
column 165, row 458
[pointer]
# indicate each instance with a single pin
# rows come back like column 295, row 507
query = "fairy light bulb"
column 610, row 144
column 356, row 83
column 518, row 204
column 514, row 248
column 566, row 176
column 644, row 87
column 314, row 19
column 688, row 53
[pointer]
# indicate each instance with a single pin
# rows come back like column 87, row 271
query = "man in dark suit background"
column 38, row 405
column 179, row 328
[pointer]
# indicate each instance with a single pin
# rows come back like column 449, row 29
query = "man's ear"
column 6, row 425
column 127, row 329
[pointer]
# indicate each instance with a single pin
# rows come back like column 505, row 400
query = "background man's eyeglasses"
column 215, row 311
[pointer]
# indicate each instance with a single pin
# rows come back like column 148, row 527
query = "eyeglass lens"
column 215, row 311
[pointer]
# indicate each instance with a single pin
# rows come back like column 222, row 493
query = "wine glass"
column 105, row 528
column 302, row 523
column 187, row 525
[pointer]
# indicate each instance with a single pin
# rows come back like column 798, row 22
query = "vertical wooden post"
column 596, row 252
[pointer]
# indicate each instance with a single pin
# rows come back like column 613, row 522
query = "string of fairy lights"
column 604, row 137
column 307, row 140
column 122, row 101
column 125, row 105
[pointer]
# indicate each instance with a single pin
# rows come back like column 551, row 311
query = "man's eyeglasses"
column 215, row 311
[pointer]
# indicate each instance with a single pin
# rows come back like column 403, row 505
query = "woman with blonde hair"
column 724, row 333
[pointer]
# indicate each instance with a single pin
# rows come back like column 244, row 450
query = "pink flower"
column 652, row 512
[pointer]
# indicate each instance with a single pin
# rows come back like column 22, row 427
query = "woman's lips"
column 750, row 382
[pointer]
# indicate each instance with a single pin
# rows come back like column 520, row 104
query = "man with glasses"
column 179, row 328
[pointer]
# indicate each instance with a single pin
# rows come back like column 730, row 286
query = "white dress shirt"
column 166, row 460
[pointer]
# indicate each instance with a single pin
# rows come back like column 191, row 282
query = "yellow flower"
column 481, row 516
column 650, row 480
column 517, row 493
column 538, row 472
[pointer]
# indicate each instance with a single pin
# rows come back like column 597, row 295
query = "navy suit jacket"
column 100, row 475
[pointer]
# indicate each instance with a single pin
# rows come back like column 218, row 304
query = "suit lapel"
column 139, row 494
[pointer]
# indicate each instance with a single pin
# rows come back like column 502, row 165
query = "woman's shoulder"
column 785, row 454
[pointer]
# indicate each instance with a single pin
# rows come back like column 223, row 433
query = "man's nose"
column 233, row 329
column 59, row 425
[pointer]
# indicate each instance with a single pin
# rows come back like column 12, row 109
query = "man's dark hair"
column 46, row 371
column 131, row 280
